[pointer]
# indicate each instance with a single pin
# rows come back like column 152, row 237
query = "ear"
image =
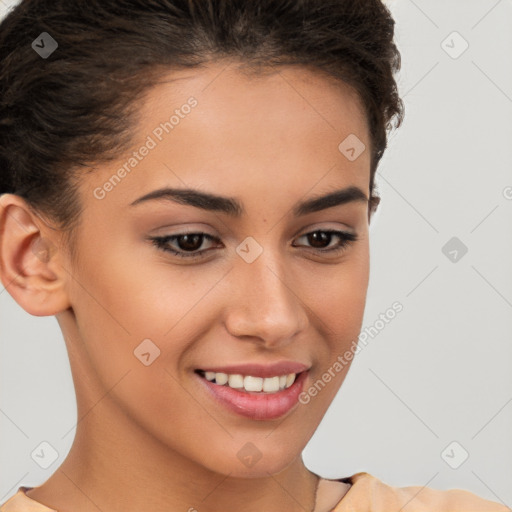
column 372, row 206
column 30, row 264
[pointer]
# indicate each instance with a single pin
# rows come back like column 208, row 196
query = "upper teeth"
column 250, row 383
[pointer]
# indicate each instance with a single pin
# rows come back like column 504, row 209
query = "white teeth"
column 271, row 385
column 221, row 378
column 290, row 379
column 250, row 383
column 253, row 383
column 236, row 381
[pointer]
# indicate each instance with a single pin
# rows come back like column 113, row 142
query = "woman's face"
column 258, row 295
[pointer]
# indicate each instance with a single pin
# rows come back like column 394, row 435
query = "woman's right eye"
column 189, row 242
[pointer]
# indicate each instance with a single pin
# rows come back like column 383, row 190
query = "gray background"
column 441, row 371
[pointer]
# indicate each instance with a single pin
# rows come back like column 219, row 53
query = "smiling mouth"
column 249, row 383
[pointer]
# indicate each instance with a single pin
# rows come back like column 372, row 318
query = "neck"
column 111, row 467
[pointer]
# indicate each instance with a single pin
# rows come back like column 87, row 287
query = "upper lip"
column 259, row 370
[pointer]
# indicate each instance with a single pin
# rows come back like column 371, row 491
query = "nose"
column 264, row 303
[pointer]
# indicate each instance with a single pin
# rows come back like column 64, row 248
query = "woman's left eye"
column 189, row 243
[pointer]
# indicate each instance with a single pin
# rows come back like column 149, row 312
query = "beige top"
column 366, row 494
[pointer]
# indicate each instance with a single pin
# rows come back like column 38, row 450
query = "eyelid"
column 345, row 228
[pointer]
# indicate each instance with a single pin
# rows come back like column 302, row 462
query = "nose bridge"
column 263, row 302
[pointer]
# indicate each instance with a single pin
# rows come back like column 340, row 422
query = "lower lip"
column 258, row 406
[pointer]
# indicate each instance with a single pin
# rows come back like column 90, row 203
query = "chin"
column 246, row 460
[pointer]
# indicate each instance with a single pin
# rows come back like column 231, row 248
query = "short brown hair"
column 60, row 114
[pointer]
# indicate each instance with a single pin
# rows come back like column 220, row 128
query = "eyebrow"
column 231, row 206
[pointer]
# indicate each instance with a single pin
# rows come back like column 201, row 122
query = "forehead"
column 221, row 128
column 227, row 93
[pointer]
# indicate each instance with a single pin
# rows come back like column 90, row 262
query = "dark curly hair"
column 77, row 107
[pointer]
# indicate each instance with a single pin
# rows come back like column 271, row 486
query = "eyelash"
column 161, row 242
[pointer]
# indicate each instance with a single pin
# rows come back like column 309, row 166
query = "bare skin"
column 150, row 437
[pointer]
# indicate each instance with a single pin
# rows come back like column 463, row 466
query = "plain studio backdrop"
column 428, row 400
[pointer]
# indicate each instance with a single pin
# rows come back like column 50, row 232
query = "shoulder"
column 368, row 494
column 20, row 502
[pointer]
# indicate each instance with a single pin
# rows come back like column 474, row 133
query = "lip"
column 256, row 406
column 260, row 370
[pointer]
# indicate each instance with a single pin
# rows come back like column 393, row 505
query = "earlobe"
column 29, row 259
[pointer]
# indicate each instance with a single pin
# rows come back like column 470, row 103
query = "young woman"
column 187, row 186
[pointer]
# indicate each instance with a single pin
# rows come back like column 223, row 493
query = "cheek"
column 341, row 313
column 137, row 294
column 339, row 309
column 128, row 304
column 123, row 311
column 338, row 294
